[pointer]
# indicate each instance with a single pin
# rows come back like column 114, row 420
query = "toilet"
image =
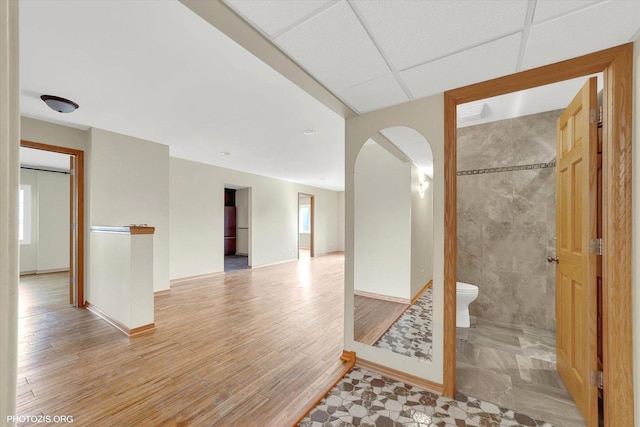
column 465, row 294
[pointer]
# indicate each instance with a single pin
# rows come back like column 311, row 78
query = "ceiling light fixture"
column 225, row 153
column 61, row 105
column 310, row 132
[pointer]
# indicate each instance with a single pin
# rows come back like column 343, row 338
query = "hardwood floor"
column 250, row 348
column 372, row 317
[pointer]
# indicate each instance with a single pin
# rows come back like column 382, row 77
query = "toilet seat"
column 466, row 288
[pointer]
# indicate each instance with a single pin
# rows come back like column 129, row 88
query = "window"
column 305, row 220
column 24, row 215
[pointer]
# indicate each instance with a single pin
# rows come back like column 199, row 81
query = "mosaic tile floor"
column 410, row 335
column 365, row 398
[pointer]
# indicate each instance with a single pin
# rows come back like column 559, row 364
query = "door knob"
column 551, row 259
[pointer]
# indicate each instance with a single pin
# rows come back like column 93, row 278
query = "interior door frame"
column 78, row 197
column 312, row 223
column 617, row 65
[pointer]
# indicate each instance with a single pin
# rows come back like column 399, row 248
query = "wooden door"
column 576, row 216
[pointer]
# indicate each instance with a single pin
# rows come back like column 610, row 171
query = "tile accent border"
column 551, row 164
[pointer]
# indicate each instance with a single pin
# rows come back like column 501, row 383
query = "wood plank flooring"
column 372, row 317
column 252, row 347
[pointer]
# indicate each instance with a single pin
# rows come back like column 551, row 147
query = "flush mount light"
column 61, row 105
column 309, row 132
column 225, row 153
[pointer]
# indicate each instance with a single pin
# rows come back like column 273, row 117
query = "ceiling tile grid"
column 415, row 32
column 604, row 25
column 276, row 16
column 334, row 47
column 374, row 94
column 491, row 60
column 373, row 54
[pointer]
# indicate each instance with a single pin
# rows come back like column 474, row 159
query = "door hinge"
column 597, row 379
column 593, row 116
column 595, row 246
column 72, row 280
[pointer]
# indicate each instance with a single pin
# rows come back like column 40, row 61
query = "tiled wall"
column 506, row 218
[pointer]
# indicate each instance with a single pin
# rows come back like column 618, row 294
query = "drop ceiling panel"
column 549, row 9
column 335, row 49
column 589, row 30
column 491, row 60
column 413, row 32
column 381, row 92
column 274, row 16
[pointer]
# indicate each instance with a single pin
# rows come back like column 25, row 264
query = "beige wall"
column 48, row 249
column 197, row 199
column 427, row 117
column 129, row 182
column 421, row 232
column 9, row 181
column 382, row 226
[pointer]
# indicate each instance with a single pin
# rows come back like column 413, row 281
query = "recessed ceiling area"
column 374, row 54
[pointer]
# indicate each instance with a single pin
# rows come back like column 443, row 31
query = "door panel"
column 576, row 295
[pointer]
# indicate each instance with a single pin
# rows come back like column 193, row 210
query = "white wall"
column 48, row 249
column 129, row 182
column 636, row 227
column 196, row 218
column 421, row 232
column 382, row 247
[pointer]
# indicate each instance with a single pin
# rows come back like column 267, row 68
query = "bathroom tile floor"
column 365, row 398
column 411, row 335
column 514, row 366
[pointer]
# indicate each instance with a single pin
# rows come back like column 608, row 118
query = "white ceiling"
column 156, row 70
column 374, row 54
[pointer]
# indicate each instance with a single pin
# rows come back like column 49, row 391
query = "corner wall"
column 129, row 184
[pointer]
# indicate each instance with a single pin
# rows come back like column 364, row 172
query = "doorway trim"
column 312, row 223
column 78, row 196
column 617, row 65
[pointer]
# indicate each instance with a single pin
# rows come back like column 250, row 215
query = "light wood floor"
column 372, row 317
column 250, row 348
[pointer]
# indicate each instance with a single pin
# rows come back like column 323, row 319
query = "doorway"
column 506, row 235
column 237, row 217
column 76, row 218
column 306, row 225
column 616, row 245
